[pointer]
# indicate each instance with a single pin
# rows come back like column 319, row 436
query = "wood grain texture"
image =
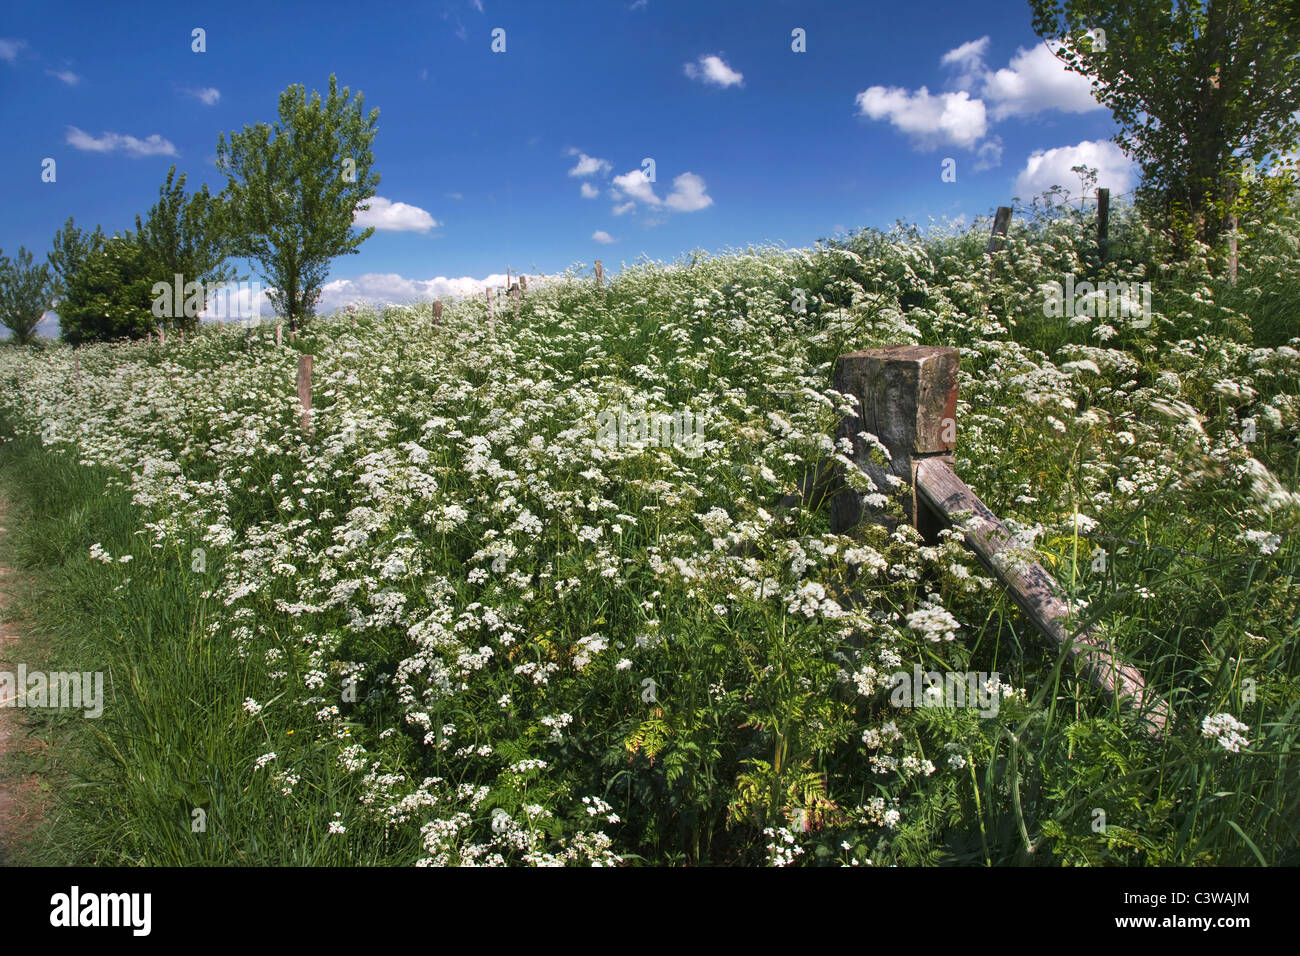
column 1035, row 591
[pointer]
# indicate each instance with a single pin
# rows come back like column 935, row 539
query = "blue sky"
column 489, row 159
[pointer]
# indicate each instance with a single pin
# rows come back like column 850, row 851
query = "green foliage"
column 24, row 294
column 294, row 189
column 1206, row 95
column 185, row 235
column 71, row 246
column 109, row 295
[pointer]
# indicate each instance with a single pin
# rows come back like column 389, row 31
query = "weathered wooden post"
column 1103, row 221
column 304, row 392
column 600, row 274
column 908, row 401
column 1000, row 223
column 437, row 310
column 162, row 338
column 279, row 326
column 514, row 295
column 523, row 285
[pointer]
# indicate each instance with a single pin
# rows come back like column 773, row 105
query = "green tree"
column 186, row 236
column 25, row 293
column 71, row 246
column 109, row 295
column 1205, row 91
column 292, row 195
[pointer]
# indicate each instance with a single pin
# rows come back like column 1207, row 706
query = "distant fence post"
column 523, row 284
column 1103, row 221
column 279, row 326
column 437, row 310
column 1000, row 223
column 600, row 274
column 304, row 392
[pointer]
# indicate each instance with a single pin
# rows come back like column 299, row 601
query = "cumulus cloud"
column 968, row 59
column 389, row 216
column 688, row 194
column 589, row 191
column 207, row 95
column 636, row 184
column 1035, row 81
column 589, row 165
column 377, row 288
column 928, row 119
column 153, row 145
column 1047, row 168
column 712, row 69
column 601, row 236
column 9, row 49
column 67, row 76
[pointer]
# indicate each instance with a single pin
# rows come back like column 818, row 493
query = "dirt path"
column 21, row 799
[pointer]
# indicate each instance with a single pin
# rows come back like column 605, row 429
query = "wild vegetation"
column 450, row 626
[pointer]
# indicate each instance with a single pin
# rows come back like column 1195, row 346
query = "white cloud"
column 637, row 185
column 386, row 215
column 1047, row 168
column 988, row 155
column 9, row 49
column 453, row 195
column 714, row 70
column 379, row 288
column 477, row 5
column 589, row 165
column 624, row 208
column 928, row 119
column 207, row 95
column 67, row 76
column 1035, row 81
column 968, row 54
column 589, row 191
column 688, row 194
column 153, row 145
column 969, row 61
column 601, row 236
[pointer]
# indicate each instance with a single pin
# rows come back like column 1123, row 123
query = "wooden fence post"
column 1103, row 221
column 304, row 392
column 437, row 310
column 908, row 401
column 523, row 285
column 600, row 274
column 279, row 326
column 1000, row 223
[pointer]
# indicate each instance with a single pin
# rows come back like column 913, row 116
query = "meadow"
column 451, row 626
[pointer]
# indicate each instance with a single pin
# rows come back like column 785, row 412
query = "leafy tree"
column 1205, row 91
column 24, row 294
column 185, row 235
column 71, row 246
column 292, row 195
column 109, row 295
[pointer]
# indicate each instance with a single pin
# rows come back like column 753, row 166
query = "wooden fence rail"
column 908, row 401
